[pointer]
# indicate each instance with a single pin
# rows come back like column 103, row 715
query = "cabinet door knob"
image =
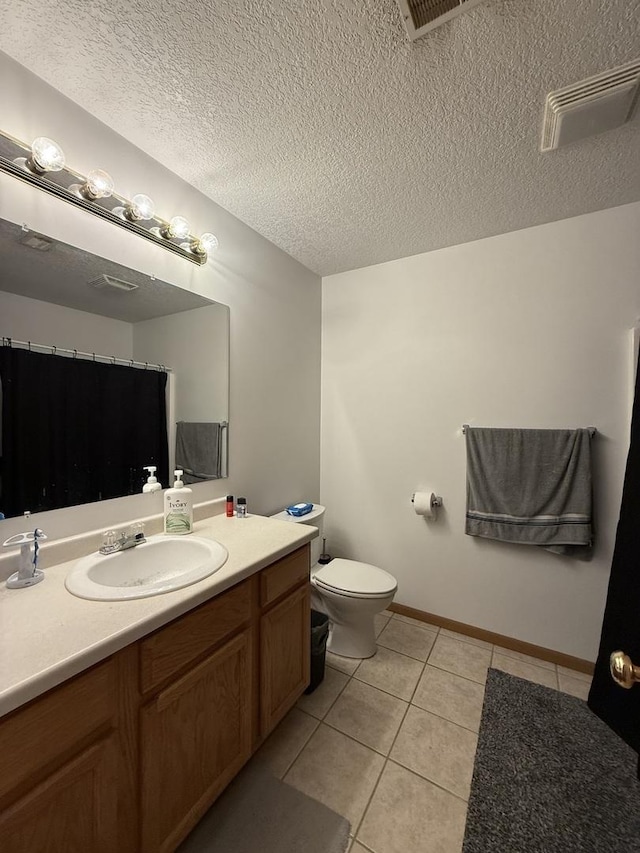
column 623, row 671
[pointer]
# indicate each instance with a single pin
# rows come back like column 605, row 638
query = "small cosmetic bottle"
column 229, row 506
column 241, row 508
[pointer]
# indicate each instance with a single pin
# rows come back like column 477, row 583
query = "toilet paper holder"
column 435, row 500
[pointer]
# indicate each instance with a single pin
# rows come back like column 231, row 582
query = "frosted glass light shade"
column 206, row 244
column 46, row 155
column 99, row 184
column 178, row 227
column 141, row 207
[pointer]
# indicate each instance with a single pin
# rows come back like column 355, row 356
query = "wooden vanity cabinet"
column 284, row 637
column 66, row 784
column 196, row 731
column 73, row 809
column 128, row 755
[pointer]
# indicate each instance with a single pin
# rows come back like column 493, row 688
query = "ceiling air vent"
column 420, row 16
column 109, row 282
column 36, row 241
column 591, row 106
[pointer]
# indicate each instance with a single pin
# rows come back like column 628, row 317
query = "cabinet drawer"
column 33, row 737
column 284, row 575
column 165, row 653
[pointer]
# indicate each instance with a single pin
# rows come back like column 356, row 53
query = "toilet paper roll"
column 425, row 504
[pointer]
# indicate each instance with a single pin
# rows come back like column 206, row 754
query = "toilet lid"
column 356, row 578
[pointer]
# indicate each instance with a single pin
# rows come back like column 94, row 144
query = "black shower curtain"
column 76, row 431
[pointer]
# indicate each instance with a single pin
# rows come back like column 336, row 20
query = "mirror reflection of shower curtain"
column 76, row 431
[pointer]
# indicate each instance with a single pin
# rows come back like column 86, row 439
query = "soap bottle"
column 178, row 507
column 152, row 485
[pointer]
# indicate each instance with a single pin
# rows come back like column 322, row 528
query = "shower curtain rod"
column 7, row 341
column 592, row 430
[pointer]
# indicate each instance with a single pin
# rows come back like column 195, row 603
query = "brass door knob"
column 623, row 671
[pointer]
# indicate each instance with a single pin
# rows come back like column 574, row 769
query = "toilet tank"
column 316, row 519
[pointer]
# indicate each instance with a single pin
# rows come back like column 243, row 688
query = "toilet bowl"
column 349, row 592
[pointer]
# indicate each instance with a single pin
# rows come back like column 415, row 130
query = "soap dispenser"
column 152, row 484
column 178, row 507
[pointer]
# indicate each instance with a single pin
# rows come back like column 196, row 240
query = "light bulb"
column 99, row 184
column 140, row 207
column 206, row 244
column 178, row 227
column 46, row 155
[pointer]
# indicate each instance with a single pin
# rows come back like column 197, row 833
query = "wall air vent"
column 591, row 106
column 108, row 282
column 421, row 16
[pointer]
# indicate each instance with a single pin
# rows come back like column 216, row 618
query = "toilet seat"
column 354, row 580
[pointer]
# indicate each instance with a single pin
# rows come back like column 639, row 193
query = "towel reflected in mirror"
column 199, row 450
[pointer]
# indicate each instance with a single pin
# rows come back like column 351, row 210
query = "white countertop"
column 48, row 635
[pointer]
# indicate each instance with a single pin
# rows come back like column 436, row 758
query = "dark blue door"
column 619, row 706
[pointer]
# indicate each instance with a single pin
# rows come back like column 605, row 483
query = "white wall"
column 274, row 302
column 195, row 344
column 27, row 319
column 528, row 329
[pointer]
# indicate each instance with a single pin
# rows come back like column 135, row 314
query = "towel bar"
column 592, row 430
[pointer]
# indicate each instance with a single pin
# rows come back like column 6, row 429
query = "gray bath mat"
column 549, row 776
column 260, row 814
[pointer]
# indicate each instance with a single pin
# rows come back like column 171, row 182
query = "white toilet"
column 350, row 593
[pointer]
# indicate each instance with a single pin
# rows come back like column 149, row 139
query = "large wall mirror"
column 65, row 305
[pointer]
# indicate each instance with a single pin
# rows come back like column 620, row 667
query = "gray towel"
column 199, row 451
column 530, row 486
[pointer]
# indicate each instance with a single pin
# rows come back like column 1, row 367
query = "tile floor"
column 389, row 742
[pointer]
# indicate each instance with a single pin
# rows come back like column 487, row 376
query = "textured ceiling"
column 319, row 123
column 62, row 274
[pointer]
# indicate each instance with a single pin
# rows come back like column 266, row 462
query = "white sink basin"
column 161, row 564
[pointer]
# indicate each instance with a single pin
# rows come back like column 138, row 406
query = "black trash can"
column 319, row 634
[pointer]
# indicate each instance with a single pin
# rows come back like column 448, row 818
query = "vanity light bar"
column 43, row 165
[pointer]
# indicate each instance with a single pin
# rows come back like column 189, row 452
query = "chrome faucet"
column 28, row 573
column 114, row 542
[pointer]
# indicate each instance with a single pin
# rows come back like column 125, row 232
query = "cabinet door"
column 74, row 810
column 195, row 736
column 284, row 651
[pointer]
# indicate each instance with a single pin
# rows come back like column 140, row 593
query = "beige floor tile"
column 450, row 696
column 537, row 674
column 368, row 715
column 574, row 686
column 387, row 613
column 380, row 621
column 318, row 703
column 392, row 672
column 411, row 640
column 338, row 772
column 357, row 848
column 410, row 621
column 545, row 664
column 284, row 745
column 348, row 665
column 574, row 673
column 407, row 814
column 436, row 749
column 461, row 658
column 482, row 644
